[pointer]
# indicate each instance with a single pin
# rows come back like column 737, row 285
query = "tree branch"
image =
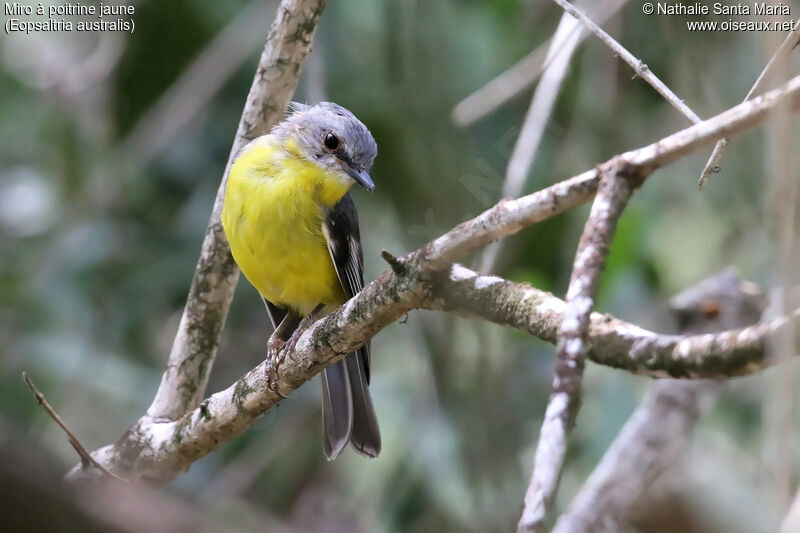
column 660, row 427
column 183, row 384
column 780, row 55
column 87, row 461
column 521, row 75
column 159, row 449
column 637, row 65
column 612, row 342
column 617, row 184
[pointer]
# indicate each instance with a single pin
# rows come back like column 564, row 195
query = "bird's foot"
column 277, row 349
column 275, row 354
column 290, row 344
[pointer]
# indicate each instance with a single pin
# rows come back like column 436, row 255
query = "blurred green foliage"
column 98, row 246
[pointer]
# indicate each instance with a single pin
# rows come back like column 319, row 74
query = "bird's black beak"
column 362, row 178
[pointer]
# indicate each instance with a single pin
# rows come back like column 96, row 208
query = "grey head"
column 332, row 137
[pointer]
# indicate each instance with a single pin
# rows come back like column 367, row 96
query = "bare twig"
column 86, row 458
column 521, row 75
column 564, row 43
column 617, row 183
column 662, row 424
column 637, row 65
column 184, row 382
column 159, row 449
column 778, row 58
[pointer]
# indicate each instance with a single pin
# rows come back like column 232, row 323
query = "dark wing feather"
column 344, row 245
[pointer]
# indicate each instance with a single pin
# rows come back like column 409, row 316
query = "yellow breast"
column 274, row 210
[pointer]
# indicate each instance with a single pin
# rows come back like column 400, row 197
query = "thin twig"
column 780, row 55
column 564, row 43
column 637, row 65
column 521, row 75
column 617, row 183
column 86, row 457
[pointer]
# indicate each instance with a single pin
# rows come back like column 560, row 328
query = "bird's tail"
column 337, row 409
column 366, row 435
column 347, row 411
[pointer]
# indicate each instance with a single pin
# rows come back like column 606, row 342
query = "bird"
column 293, row 230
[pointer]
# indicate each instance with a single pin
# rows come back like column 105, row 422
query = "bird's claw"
column 292, row 342
column 275, row 355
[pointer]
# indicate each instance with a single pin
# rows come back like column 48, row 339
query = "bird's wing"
column 344, row 244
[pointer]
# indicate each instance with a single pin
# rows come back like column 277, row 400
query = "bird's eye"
column 331, row 141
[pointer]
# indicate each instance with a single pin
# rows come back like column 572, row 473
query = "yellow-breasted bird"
column 293, row 230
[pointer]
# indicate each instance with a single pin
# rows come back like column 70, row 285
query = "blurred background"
column 112, row 147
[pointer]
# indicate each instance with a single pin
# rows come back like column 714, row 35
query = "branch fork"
column 618, row 180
